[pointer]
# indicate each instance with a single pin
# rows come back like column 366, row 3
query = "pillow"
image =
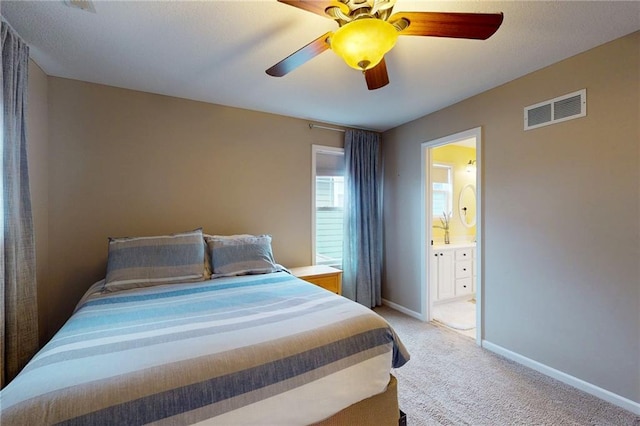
column 207, row 258
column 241, row 255
column 228, row 237
column 146, row 261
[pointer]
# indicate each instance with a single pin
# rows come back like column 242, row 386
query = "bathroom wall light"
column 471, row 165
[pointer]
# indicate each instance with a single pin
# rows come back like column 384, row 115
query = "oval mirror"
column 467, row 205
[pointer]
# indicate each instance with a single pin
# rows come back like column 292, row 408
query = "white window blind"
column 329, row 203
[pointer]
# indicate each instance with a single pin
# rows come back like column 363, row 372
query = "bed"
column 263, row 348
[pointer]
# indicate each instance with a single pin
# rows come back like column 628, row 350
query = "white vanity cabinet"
column 452, row 271
column 442, row 273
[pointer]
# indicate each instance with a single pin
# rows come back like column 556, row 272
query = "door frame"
column 426, row 234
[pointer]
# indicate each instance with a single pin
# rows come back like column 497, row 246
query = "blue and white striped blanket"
column 261, row 349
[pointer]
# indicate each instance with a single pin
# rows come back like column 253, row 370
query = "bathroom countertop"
column 453, row 245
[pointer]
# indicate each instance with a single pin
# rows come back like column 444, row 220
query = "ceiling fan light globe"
column 364, row 42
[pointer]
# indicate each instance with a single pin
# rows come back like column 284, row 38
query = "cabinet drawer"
column 463, row 268
column 330, row 283
column 464, row 286
column 464, row 254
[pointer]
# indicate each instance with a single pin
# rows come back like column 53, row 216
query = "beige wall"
column 38, row 153
column 130, row 163
column 561, row 216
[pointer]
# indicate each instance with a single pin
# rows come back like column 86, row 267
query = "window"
column 328, row 205
column 442, row 189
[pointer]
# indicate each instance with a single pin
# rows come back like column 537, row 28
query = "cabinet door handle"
column 464, row 269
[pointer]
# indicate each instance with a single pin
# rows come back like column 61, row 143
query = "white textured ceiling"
column 217, row 52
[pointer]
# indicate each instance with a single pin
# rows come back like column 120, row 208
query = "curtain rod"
column 317, row 126
column 335, row 129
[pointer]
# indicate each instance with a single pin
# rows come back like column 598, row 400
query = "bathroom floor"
column 459, row 316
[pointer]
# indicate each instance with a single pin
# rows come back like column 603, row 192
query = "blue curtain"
column 362, row 257
column 18, row 316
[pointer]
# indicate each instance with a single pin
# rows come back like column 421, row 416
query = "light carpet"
column 460, row 314
column 451, row 381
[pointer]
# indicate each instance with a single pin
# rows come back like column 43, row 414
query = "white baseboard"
column 594, row 390
column 402, row 309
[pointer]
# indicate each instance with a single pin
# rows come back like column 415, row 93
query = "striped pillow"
column 146, row 261
column 241, row 255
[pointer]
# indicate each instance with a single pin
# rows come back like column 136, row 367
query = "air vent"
column 562, row 108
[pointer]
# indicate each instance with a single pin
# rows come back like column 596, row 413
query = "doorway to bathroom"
column 451, row 267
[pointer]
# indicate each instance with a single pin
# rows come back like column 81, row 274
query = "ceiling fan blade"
column 300, row 56
column 377, row 76
column 316, row 6
column 479, row 26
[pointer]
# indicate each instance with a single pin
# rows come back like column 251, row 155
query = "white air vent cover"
column 562, row 108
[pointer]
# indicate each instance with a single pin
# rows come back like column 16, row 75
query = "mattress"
column 258, row 349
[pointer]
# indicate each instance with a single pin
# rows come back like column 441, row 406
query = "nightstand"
column 321, row 275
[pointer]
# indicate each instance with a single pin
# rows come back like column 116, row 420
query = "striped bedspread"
column 261, row 349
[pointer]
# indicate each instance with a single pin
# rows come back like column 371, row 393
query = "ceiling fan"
column 367, row 31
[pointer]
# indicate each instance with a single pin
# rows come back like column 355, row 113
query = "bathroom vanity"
column 453, row 271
